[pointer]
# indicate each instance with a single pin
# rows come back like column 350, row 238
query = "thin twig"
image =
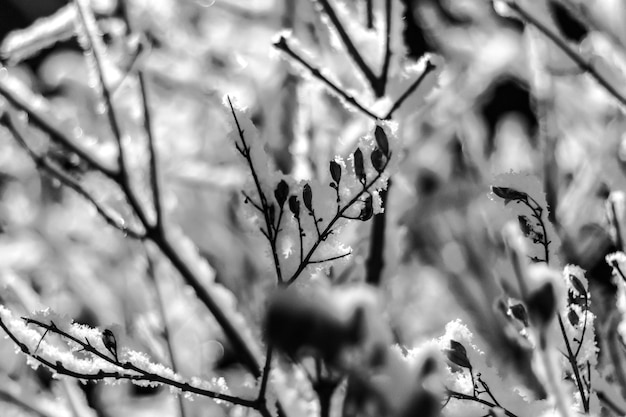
column 461, row 396
column 266, row 373
column 352, row 50
column 569, row 51
column 334, row 258
column 283, row 46
column 244, row 149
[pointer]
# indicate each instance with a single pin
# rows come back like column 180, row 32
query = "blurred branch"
column 51, row 127
column 376, row 258
column 354, row 53
column 283, row 46
column 154, row 173
column 95, row 50
column 151, row 272
column 384, row 75
column 569, row 51
column 45, row 164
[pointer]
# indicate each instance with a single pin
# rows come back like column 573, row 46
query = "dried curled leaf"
column 458, row 355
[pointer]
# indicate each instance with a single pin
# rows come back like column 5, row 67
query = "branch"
column 51, row 127
column 582, row 63
column 96, row 51
column 376, row 260
column 45, row 164
column 382, row 80
column 137, row 373
column 283, row 46
column 154, row 172
column 352, row 50
column 429, row 68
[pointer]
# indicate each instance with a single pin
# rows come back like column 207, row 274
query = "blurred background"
column 506, row 100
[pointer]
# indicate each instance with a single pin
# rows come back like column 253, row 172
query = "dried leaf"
column 458, row 355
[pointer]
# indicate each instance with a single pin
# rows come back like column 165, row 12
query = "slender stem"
column 582, row 63
column 461, row 396
column 612, row 338
column 334, row 258
column 271, row 236
column 572, row 360
column 352, row 50
column 582, row 336
column 266, row 373
column 283, row 46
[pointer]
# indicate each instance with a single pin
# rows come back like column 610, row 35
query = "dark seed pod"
column 359, row 168
column 381, row 140
column 335, row 171
column 378, row 160
column 281, row 193
column 307, row 197
column 294, row 205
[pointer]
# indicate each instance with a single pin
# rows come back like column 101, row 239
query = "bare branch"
column 569, row 51
column 352, row 50
column 45, row 164
column 51, row 127
column 283, row 46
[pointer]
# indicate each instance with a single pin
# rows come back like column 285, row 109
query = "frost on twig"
column 89, row 354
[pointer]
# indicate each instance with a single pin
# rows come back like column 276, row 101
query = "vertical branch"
column 375, row 260
column 88, row 23
column 354, row 53
column 369, row 14
column 154, row 172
